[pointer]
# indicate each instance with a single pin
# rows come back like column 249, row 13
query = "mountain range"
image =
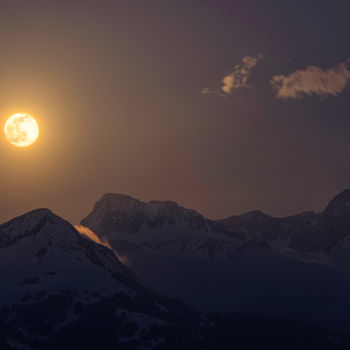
column 250, row 263
column 115, row 216
column 283, row 280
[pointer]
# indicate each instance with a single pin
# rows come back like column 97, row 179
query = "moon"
column 21, row 129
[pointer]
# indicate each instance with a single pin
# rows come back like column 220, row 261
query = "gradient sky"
column 117, row 89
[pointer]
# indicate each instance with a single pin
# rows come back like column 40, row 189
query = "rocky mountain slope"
column 306, row 232
column 129, row 225
column 298, row 263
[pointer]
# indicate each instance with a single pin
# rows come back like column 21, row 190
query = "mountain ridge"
column 58, row 283
column 305, row 231
column 228, row 261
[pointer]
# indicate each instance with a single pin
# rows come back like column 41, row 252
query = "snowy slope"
column 53, row 278
column 306, row 232
column 37, row 250
column 59, row 289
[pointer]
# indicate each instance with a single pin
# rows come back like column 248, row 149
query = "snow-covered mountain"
column 39, row 248
column 55, row 282
column 130, row 225
column 60, row 289
column 250, row 263
column 156, row 227
column 306, row 232
column 276, row 231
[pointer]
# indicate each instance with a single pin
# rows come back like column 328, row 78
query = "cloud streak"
column 312, row 81
column 237, row 79
column 85, row 231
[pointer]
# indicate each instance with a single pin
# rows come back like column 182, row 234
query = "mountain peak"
column 40, row 241
column 116, row 196
column 39, row 222
column 127, row 214
column 34, row 215
column 169, row 204
column 113, row 201
column 40, row 211
column 339, row 205
column 343, row 196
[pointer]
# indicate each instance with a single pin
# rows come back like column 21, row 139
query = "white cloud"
column 312, row 81
column 237, row 79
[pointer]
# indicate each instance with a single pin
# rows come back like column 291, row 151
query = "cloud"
column 85, row 231
column 91, row 235
column 312, row 81
column 237, row 79
column 207, row 91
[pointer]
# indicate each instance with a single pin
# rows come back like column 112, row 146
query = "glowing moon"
column 21, row 129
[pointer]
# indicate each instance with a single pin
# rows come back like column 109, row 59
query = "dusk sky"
column 221, row 106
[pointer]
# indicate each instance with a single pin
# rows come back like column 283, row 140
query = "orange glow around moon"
column 21, row 129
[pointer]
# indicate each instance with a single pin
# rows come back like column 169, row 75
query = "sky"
column 222, row 106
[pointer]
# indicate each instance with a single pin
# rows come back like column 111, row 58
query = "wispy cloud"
column 237, row 79
column 85, row 231
column 312, row 81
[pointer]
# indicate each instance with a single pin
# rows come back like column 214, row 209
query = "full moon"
column 21, row 129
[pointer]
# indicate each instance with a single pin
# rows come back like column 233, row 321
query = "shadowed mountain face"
column 56, row 284
column 115, row 215
column 60, row 290
column 306, row 232
column 161, row 226
column 251, row 263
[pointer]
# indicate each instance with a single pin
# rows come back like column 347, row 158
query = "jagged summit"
column 121, row 196
column 117, row 212
column 117, row 201
column 116, row 197
column 160, row 226
column 109, row 201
